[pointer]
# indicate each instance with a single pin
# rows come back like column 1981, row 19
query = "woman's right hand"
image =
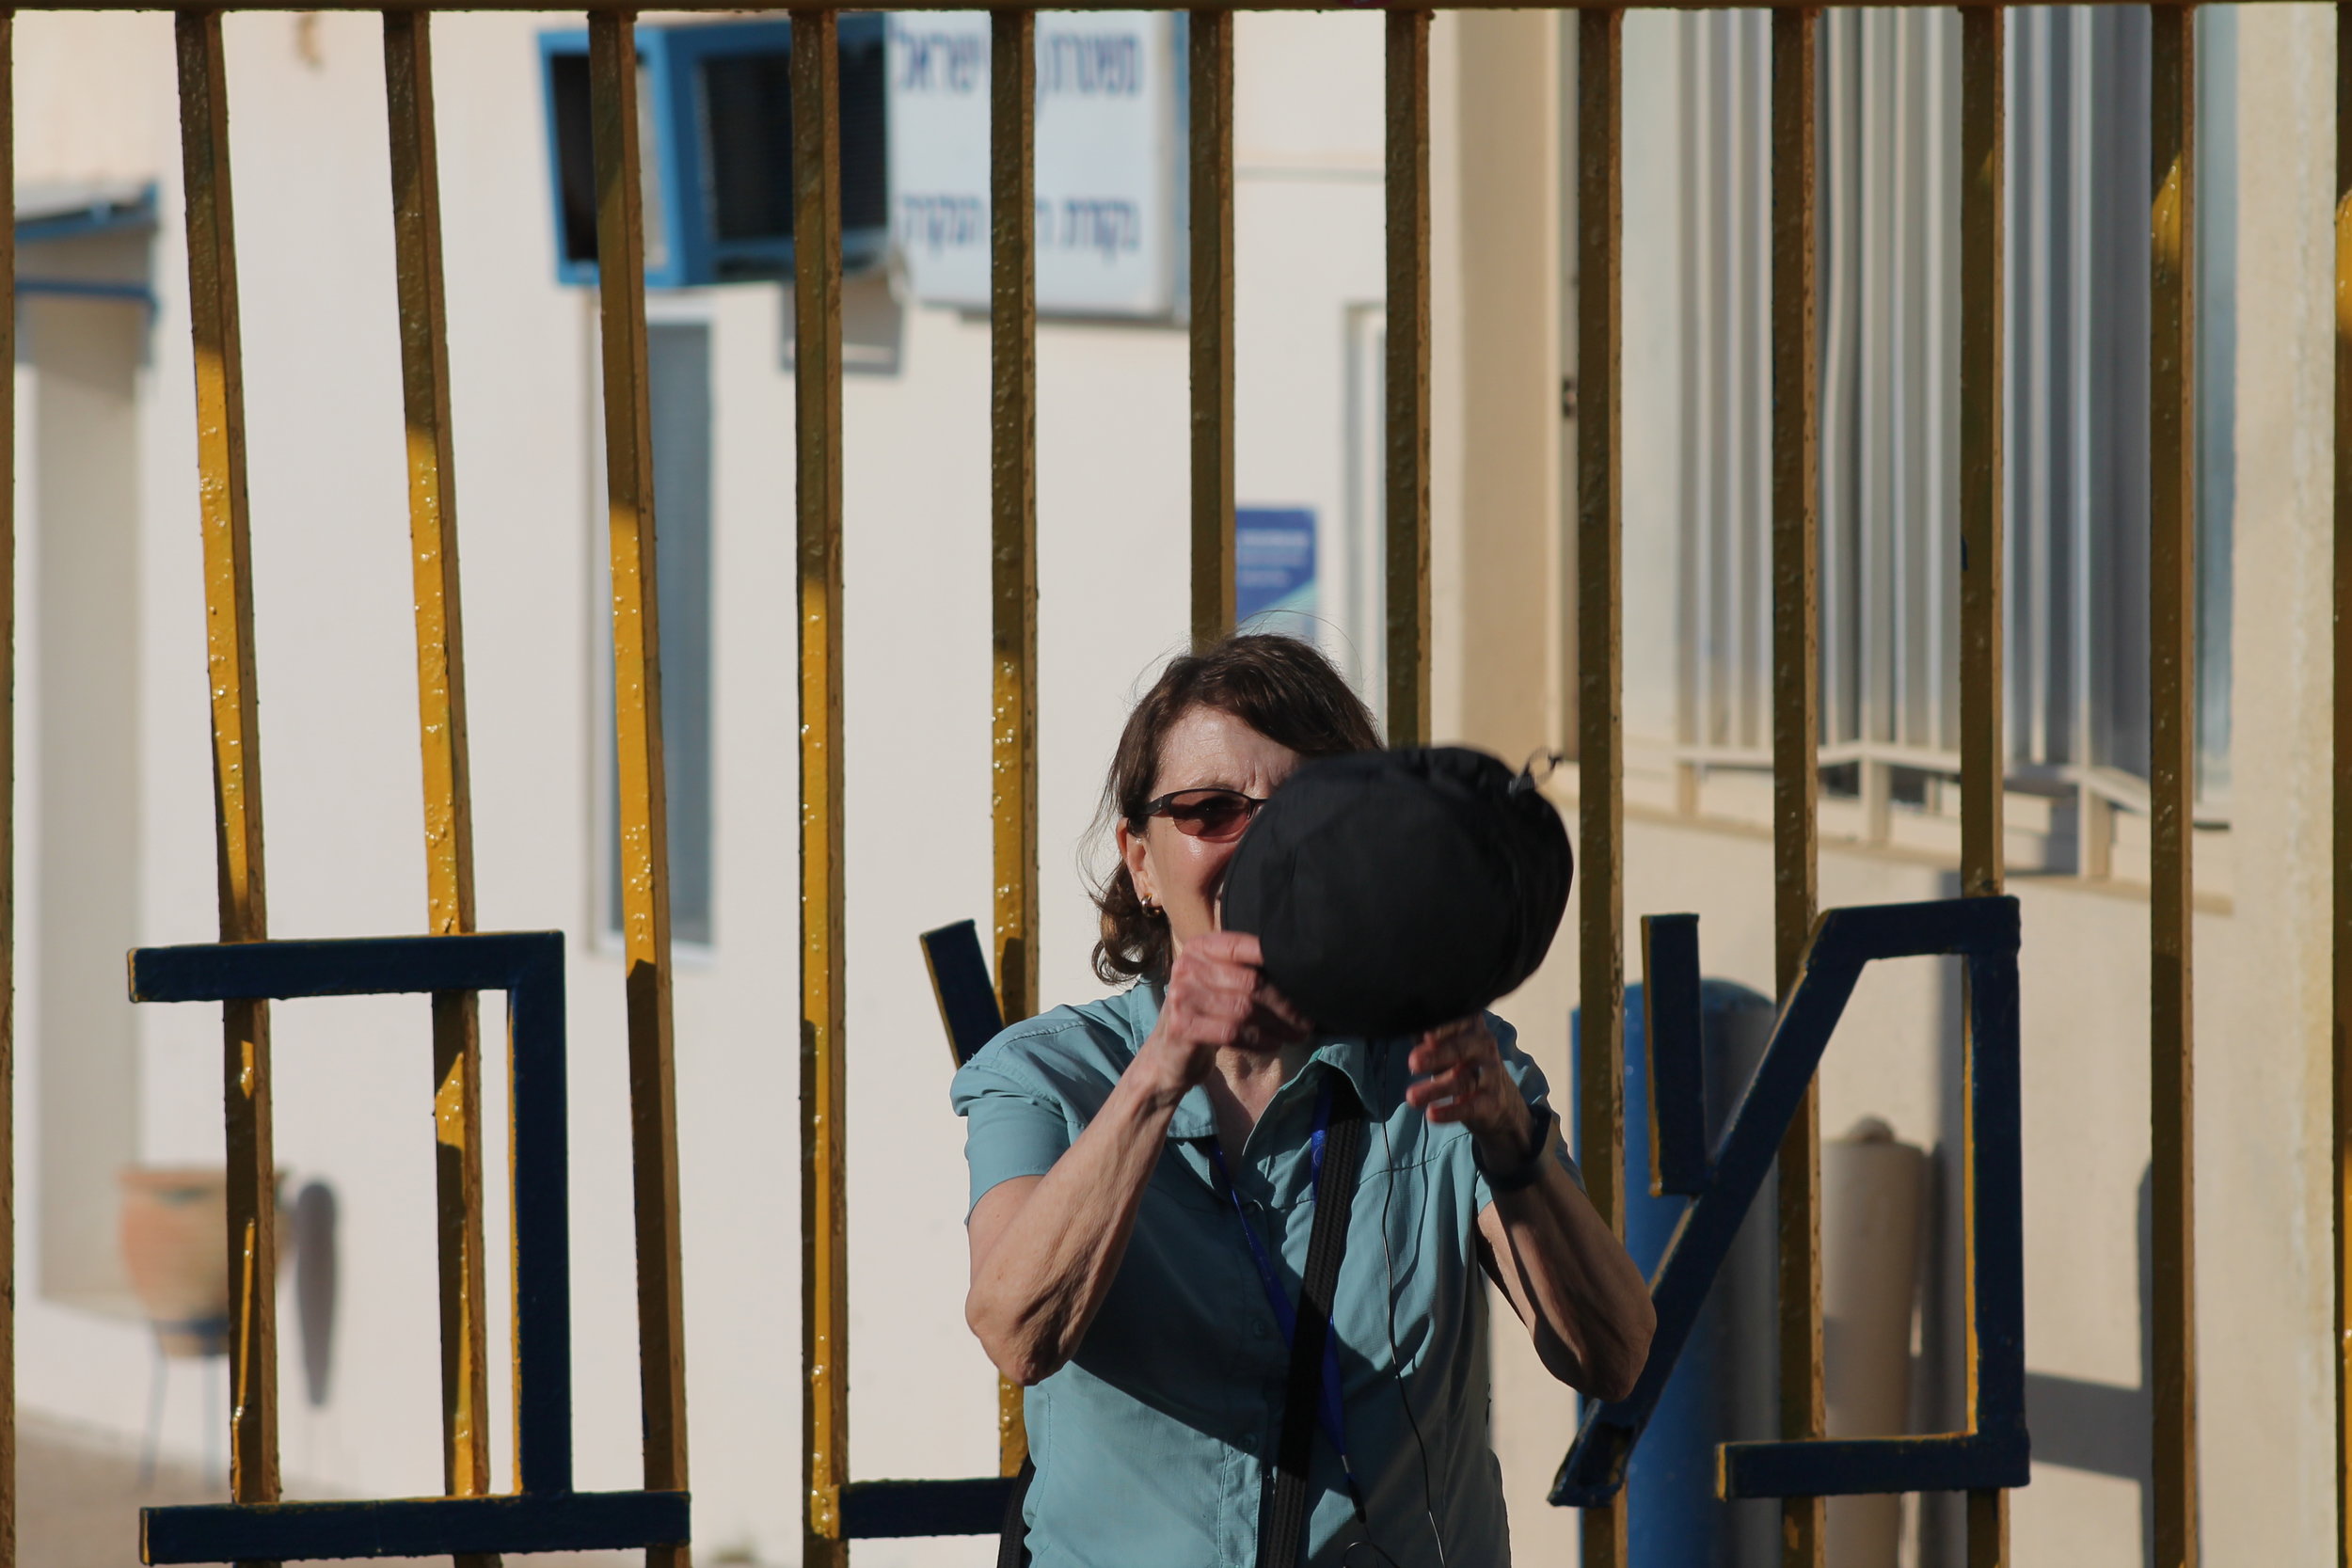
column 1215, row 998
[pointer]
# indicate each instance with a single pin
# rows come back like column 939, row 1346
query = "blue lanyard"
column 1331, row 1412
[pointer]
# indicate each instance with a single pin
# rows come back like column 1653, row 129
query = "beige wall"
column 1508, row 550
column 75, row 123
column 2264, row 1037
column 2262, row 933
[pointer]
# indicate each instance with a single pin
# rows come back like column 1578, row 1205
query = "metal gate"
column 1795, row 490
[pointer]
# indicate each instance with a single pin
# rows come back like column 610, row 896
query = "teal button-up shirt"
column 1150, row 1442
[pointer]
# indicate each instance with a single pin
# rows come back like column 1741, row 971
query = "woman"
column 1141, row 1190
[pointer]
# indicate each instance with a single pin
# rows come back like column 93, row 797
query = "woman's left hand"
column 1467, row 1083
column 1566, row 1272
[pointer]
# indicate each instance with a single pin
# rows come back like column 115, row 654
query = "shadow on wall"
column 315, row 1274
column 2100, row 1428
column 2104, row 1428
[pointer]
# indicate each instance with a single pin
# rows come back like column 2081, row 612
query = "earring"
column 1150, row 910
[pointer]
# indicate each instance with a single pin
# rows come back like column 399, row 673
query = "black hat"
column 1396, row 891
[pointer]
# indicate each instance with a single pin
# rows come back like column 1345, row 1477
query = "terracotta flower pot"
column 175, row 1226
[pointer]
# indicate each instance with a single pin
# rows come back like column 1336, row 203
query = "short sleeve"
column 1007, row 1133
column 1536, row 1091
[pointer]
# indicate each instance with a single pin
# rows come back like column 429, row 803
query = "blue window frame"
column 715, row 102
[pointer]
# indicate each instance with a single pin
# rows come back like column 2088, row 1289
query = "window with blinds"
column 2075, row 428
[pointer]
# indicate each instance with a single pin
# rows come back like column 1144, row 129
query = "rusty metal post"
column 1211, row 63
column 1796, row 715
column 1983, row 752
column 441, row 728
column 1406, row 432
column 2173, row 767
column 220, row 441
column 1599, row 662
column 637, row 720
column 824, row 1080
column 1012, row 549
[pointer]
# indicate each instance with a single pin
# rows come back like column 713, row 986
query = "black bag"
column 1396, row 890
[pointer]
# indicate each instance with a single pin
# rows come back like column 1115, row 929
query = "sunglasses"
column 1216, row 814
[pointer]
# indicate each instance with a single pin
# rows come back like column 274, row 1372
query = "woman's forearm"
column 1044, row 1251
column 1568, row 1277
column 1584, row 1300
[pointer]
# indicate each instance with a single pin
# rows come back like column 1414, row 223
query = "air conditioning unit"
column 715, row 138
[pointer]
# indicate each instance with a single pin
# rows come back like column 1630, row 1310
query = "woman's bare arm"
column 1045, row 1248
column 1568, row 1277
column 1571, row 1282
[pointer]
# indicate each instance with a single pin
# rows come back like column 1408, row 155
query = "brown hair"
column 1281, row 687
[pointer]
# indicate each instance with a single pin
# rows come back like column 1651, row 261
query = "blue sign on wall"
column 1273, row 561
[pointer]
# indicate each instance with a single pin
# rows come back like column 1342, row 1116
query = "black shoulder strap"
column 1283, row 1508
column 1013, row 1541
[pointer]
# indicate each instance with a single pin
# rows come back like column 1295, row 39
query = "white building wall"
column 340, row 778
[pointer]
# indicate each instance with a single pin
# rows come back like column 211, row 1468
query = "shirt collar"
column 1351, row 1058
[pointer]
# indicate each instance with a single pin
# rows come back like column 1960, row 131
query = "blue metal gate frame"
column 1994, row 1449
column 544, row 1514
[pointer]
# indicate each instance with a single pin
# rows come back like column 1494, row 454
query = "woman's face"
column 1205, row 748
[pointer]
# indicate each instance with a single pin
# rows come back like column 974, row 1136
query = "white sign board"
column 1105, row 159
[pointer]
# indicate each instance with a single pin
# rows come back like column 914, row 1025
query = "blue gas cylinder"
column 1722, row 1383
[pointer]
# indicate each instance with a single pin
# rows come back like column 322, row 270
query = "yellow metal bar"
column 1407, row 435
column 236, row 750
column 8, row 796
column 441, row 725
column 1212, row 72
column 824, row 1092
column 2343, row 824
column 637, row 721
column 1796, row 716
column 2173, row 767
column 1983, row 754
column 1012, row 573
column 1599, row 656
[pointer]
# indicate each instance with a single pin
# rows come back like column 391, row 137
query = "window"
column 715, row 133
column 2077, row 416
column 2076, row 429
column 679, row 358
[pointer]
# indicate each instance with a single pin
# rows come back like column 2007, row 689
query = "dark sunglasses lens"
column 1214, row 818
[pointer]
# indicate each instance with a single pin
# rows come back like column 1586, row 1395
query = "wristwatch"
column 1531, row 1163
